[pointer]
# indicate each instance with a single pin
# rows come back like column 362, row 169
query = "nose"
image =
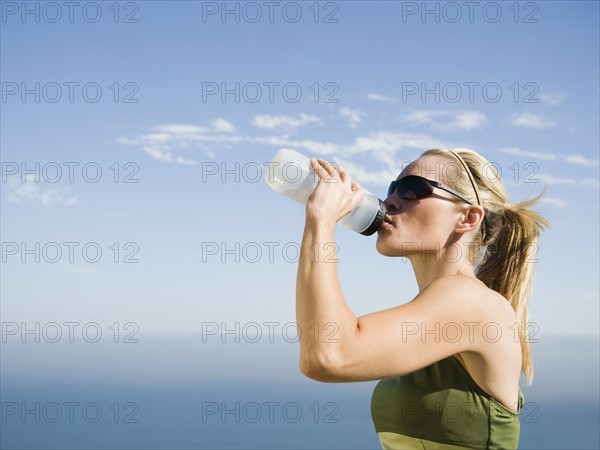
column 392, row 203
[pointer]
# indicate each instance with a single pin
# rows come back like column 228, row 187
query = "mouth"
column 386, row 224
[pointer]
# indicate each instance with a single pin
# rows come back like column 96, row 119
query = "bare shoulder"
column 485, row 314
column 453, row 315
column 466, row 291
column 494, row 361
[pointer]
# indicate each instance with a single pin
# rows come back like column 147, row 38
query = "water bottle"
column 291, row 174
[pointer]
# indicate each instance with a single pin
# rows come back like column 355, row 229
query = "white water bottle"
column 291, row 174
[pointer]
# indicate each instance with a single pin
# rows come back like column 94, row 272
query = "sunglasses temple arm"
column 487, row 222
column 444, row 188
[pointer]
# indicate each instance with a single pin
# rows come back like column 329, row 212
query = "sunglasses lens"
column 392, row 188
column 412, row 188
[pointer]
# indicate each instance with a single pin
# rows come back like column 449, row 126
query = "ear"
column 469, row 219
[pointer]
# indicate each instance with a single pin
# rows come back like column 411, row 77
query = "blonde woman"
column 450, row 359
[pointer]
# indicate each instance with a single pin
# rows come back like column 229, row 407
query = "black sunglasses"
column 414, row 187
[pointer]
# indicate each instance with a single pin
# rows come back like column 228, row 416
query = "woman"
column 450, row 359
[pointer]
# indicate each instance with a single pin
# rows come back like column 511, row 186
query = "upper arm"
column 446, row 318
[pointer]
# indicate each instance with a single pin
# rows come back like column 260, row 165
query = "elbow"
column 307, row 369
column 324, row 368
column 312, row 370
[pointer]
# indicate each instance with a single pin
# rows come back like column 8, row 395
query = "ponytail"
column 509, row 262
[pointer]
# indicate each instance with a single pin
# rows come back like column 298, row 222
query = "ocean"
column 172, row 393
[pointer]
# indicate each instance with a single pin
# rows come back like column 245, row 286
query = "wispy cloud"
column 381, row 177
column 549, row 179
column 222, row 125
column 581, row 161
column 386, row 142
column 371, row 158
column 380, row 98
column 160, row 143
column 446, row 120
column 161, row 154
column 30, row 191
column 553, row 99
column 554, row 201
column 528, row 120
column 528, row 154
column 179, row 129
column 578, row 160
column 351, row 115
column 592, row 183
column 270, row 122
column 383, row 148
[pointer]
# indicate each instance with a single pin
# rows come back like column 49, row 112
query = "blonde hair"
column 501, row 254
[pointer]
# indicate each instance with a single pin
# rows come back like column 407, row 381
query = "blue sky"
column 363, row 67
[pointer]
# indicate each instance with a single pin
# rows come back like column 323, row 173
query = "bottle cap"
column 377, row 221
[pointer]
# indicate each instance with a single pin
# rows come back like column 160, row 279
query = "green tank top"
column 442, row 403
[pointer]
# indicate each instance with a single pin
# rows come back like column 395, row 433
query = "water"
column 170, row 393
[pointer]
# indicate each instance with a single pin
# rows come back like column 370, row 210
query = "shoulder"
column 467, row 291
column 454, row 314
column 469, row 299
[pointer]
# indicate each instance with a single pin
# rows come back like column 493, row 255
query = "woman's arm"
column 324, row 319
column 326, row 323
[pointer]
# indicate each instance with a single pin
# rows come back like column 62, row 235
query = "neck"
column 430, row 266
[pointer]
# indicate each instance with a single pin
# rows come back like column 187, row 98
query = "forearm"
column 325, row 321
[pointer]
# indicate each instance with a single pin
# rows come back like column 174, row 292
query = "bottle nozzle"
column 377, row 221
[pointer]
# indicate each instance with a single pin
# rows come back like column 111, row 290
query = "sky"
column 143, row 133
column 135, row 138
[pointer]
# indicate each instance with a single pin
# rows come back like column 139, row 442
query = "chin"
column 384, row 248
column 390, row 245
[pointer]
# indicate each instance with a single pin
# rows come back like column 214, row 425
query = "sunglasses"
column 413, row 187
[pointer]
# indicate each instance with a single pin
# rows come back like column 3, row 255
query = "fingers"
column 319, row 168
column 326, row 170
column 323, row 169
column 331, row 168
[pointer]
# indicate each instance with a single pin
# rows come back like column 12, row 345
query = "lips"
column 386, row 224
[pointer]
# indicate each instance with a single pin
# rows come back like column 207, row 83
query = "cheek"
column 418, row 220
column 422, row 223
column 427, row 221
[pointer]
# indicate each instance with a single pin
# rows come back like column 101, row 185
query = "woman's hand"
column 335, row 195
